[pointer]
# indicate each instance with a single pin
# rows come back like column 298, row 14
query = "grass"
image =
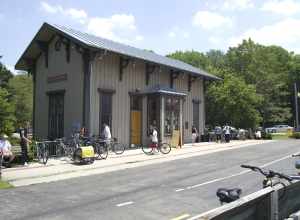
column 5, row 185
column 280, row 136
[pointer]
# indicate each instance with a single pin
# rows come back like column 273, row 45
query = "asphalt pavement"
column 177, row 189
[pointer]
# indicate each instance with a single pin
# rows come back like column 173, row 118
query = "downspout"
column 86, row 89
column 33, row 72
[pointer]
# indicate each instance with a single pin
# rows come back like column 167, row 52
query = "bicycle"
column 229, row 195
column 42, row 152
column 164, row 148
column 102, row 147
column 65, row 149
column 297, row 162
column 269, row 175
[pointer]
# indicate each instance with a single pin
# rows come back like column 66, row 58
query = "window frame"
column 109, row 93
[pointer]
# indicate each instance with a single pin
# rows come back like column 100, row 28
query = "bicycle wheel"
column 118, row 148
column 69, row 151
column 147, row 149
column 165, row 148
column 103, row 151
column 96, row 147
column 45, row 157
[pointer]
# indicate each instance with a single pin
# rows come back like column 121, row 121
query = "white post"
column 162, row 117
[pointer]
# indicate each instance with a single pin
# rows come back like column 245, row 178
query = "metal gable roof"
column 101, row 43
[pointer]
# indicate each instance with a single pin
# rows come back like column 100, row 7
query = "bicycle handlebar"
column 255, row 169
column 269, row 174
column 296, row 155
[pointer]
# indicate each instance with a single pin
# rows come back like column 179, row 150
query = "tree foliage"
column 15, row 100
column 265, row 72
column 21, row 91
column 233, row 101
column 5, row 76
column 7, row 118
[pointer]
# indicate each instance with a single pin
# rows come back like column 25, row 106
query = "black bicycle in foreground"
column 102, row 147
column 272, row 178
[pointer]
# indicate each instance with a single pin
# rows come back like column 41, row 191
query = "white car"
column 279, row 129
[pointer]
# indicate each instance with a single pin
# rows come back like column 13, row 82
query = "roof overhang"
column 47, row 32
column 162, row 90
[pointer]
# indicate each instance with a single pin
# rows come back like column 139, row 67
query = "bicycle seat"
column 228, row 195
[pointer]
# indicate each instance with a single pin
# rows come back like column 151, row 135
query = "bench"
column 16, row 150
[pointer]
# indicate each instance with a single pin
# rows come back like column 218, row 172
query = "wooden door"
column 136, row 130
column 136, row 119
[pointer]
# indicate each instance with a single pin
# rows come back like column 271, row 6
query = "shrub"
column 267, row 136
column 296, row 135
column 14, row 141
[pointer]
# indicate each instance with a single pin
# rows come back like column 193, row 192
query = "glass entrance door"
column 153, row 112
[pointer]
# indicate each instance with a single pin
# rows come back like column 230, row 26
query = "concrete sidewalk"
column 63, row 168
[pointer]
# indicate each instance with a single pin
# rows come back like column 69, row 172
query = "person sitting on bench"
column 5, row 150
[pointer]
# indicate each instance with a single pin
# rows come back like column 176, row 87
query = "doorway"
column 196, row 114
column 105, row 110
column 56, row 115
column 136, row 119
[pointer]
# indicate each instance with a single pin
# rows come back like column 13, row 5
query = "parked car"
column 279, row 129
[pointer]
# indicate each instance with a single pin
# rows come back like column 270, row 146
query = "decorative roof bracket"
column 191, row 79
column 149, row 70
column 173, row 75
column 123, row 64
column 44, row 47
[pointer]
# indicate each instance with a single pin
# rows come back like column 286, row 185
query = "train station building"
column 87, row 80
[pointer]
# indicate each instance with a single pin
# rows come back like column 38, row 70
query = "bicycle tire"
column 40, row 156
column 45, row 157
column 164, row 148
column 103, row 151
column 96, row 147
column 147, row 149
column 118, row 148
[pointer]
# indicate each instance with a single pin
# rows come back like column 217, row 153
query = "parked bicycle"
column 149, row 149
column 102, row 147
column 272, row 178
column 64, row 148
column 42, row 151
column 297, row 162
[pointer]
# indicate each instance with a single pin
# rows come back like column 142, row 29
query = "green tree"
column 5, row 76
column 7, row 118
column 194, row 58
column 233, row 101
column 21, row 89
column 267, row 68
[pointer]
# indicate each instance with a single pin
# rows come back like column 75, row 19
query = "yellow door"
column 136, row 127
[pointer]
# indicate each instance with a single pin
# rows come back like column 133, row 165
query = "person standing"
column 218, row 133
column 153, row 135
column 194, row 134
column 227, row 133
column 24, row 141
column 154, row 139
column 106, row 133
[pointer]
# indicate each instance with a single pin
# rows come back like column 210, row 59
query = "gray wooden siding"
column 105, row 75
column 73, row 86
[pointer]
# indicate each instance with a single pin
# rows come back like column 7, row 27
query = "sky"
column 163, row 26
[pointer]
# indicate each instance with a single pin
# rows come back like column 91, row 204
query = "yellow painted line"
column 181, row 217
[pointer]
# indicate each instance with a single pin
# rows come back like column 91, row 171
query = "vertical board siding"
column 105, row 75
column 73, row 86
